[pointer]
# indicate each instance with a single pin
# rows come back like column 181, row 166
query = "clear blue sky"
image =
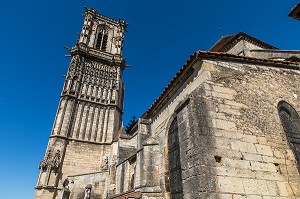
column 161, row 36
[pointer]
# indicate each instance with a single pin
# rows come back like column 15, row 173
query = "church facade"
column 226, row 126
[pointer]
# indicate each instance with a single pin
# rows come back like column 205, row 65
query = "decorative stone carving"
column 89, row 17
column 49, row 161
column 100, row 74
column 56, row 160
column 87, row 192
column 74, row 68
column 99, row 81
column 66, row 183
column 104, row 165
column 45, row 162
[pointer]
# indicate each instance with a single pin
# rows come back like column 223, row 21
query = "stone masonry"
column 88, row 116
column 226, row 126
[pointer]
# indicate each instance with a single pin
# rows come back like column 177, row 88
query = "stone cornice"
column 98, row 55
column 91, row 173
column 47, row 187
column 77, row 140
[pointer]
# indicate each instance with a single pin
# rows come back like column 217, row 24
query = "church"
column 226, row 126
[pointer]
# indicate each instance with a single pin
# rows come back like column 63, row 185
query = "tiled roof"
column 121, row 131
column 198, row 55
column 292, row 59
column 221, row 43
column 295, row 12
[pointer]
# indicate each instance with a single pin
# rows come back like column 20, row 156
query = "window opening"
column 174, row 162
column 102, row 40
column 290, row 121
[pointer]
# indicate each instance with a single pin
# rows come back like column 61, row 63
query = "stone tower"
column 89, row 112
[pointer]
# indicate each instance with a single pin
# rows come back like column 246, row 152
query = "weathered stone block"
column 230, row 185
column 237, row 164
column 223, row 124
column 272, row 187
column 228, row 109
column 260, row 166
column 246, row 138
column 264, row 150
column 252, row 157
column 255, row 187
column 243, row 147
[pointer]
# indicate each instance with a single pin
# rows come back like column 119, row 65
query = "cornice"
column 97, row 55
column 78, row 140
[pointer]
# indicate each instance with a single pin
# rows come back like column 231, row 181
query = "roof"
column 293, row 59
column 120, row 132
column 227, row 42
column 199, row 55
column 295, row 12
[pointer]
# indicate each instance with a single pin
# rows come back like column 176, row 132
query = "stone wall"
column 241, row 46
column 82, row 158
column 232, row 143
column 78, row 183
column 138, row 166
column 45, row 193
column 249, row 155
column 162, row 122
column 195, row 145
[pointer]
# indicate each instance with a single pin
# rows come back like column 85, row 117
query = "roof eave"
column 295, row 12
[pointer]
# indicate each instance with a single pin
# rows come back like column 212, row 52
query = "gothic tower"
column 89, row 112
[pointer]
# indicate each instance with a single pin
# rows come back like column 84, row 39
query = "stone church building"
column 227, row 126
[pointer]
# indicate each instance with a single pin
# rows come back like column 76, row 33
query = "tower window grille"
column 101, row 41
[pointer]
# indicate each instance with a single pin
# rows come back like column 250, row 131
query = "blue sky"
column 161, row 36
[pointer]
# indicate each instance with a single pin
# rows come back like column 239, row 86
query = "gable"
column 242, row 46
column 235, row 43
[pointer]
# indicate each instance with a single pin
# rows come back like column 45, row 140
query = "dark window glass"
column 101, row 40
column 174, row 162
column 104, row 42
column 290, row 121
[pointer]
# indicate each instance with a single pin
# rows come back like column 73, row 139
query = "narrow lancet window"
column 291, row 124
column 102, row 40
column 174, row 162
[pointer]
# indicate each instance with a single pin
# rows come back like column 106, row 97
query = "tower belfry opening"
column 102, row 40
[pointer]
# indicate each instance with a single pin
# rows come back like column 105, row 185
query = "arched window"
column 102, row 40
column 174, row 162
column 291, row 124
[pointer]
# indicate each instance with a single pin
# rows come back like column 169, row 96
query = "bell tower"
column 90, row 108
